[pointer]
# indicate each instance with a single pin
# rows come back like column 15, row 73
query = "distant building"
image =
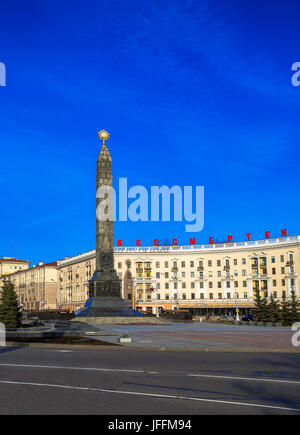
column 10, row 265
column 203, row 279
column 36, row 286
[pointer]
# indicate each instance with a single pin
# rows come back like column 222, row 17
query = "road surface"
column 131, row 382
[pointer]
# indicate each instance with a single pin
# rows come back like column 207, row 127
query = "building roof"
column 12, row 260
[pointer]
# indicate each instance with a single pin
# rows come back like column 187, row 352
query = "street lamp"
column 155, row 291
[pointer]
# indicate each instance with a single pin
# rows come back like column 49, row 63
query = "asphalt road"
column 113, row 382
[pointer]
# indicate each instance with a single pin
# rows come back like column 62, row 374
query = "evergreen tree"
column 294, row 315
column 10, row 312
column 274, row 310
column 258, row 310
column 285, row 311
column 264, row 309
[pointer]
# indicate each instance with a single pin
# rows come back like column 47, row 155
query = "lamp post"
column 155, row 292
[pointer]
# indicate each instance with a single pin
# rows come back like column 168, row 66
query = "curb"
column 118, row 347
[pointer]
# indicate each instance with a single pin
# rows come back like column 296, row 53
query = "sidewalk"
column 203, row 336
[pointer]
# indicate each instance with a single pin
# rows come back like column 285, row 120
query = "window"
column 211, row 295
column 218, row 263
column 245, row 295
column 158, row 295
column 193, row 296
column 166, row 285
column 167, row 274
column 192, row 264
column 275, row 294
column 282, row 270
column 201, row 295
column 228, row 284
column 236, row 284
column 273, row 271
column 157, row 264
column 183, row 285
column 228, row 296
column 210, row 284
column 167, row 296
column 282, row 258
column 219, row 274
column 183, row 274
column 283, row 294
column 201, row 285
column 274, row 283
column 157, row 274
column 192, row 274
column 235, row 262
column 158, row 285
column 244, row 272
column 183, row 296
column 236, row 295
column 244, row 283
column 220, row 295
column 243, row 260
column 210, row 274
column 175, row 285
column 209, row 263
column 283, row 282
column 183, row 264
column 235, row 273
column 166, row 264
column 273, row 259
column 192, row 285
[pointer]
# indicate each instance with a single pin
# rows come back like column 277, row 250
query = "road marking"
column 71, row 368
column 62, row 351
column 162, row 396
column 246, row 379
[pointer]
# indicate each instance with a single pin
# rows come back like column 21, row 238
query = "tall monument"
column 105, row 298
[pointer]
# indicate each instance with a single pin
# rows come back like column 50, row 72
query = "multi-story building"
column 36, row 286
column 10, row 265
column 211, row 278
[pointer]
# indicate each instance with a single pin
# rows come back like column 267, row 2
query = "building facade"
column 36, row 286
column 204, row 278
column 9, row 265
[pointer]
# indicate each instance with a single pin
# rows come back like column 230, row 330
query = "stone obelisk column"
column 105, row 282
column 105, row 303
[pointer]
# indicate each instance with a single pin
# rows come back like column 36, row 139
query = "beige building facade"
column 36, row 286
column 212, row 278
column 10, row 265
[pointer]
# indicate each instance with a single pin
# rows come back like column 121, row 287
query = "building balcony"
column 290, row 263
column 200, row 268
column 226, row 268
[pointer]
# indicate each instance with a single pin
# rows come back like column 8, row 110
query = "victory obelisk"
column 105, row 298
column 105, row 282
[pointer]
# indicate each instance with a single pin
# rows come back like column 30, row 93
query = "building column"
column 250, row 288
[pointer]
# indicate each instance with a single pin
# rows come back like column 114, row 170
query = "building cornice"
column 227, row 248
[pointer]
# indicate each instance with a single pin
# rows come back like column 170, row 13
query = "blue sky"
column 192, row 92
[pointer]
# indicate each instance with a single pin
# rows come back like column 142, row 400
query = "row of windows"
column 200, row 263
column 184, row 296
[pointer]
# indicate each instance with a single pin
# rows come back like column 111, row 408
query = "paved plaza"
column 210, row 336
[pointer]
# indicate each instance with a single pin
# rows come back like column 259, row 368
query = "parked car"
column 247, row 318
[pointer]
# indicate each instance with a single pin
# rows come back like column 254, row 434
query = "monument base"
column 109, row 306
column 120, row 320
column 110, row 310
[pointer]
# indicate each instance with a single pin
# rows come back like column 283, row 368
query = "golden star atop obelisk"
column 103, row 135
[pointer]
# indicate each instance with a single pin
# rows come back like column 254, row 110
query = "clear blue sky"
column 193, row 93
